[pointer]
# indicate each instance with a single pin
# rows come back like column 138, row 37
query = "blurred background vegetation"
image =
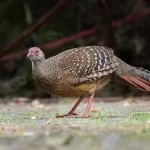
column 57, row 25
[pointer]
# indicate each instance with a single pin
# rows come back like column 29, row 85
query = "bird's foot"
column 74, row 115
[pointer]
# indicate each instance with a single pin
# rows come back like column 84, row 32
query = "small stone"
column 126, row 104
column 35, row 102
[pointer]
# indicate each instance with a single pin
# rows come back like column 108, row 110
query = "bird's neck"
column 36, row 64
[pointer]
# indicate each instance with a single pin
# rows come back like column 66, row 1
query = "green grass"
column 101, row 116
column 103, row 127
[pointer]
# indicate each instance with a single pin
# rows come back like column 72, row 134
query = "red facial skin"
column 35, row 51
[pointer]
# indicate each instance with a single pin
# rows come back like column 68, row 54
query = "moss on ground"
column 105, row 126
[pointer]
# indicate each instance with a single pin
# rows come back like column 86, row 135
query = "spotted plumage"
column 81, row 71
column 88, row 63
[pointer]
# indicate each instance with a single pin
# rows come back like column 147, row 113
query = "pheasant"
column 79, row 72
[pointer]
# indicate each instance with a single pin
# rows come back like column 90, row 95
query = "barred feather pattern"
column 143, row 73
column 88, row 63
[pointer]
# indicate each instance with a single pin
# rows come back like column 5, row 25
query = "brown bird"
column 79, row 72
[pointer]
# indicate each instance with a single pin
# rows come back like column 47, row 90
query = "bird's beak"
column 29, row 53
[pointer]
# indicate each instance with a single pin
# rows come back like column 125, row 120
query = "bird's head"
column 35, row 54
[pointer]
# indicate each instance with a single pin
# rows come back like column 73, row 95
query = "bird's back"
column 81, row 62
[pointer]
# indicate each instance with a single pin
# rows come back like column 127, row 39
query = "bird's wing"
column 90, row 63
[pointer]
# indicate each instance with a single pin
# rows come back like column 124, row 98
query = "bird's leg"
column 71, row 112
column 74, row 115
column 88, row 106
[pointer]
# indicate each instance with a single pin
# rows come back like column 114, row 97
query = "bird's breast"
column 63, row 86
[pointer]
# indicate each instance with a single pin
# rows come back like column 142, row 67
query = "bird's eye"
column 36, row 51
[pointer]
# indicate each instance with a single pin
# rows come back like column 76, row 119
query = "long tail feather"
column 137, row 82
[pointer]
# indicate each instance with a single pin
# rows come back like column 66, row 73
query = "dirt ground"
column 118, row 125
